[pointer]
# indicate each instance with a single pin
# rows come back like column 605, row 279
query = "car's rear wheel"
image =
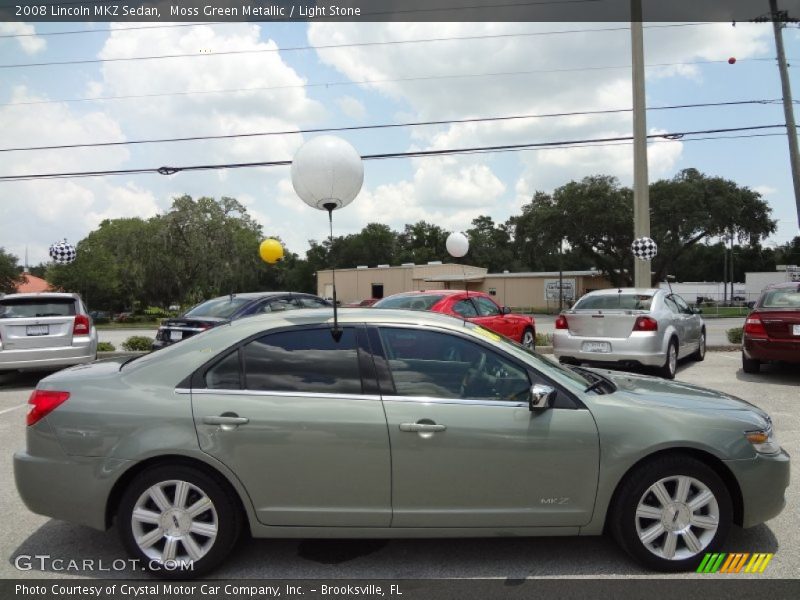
column 700, row 353
column 750, row 365
column 671, row 511
column 178, row 520
column 670, row 367
column 529, row 338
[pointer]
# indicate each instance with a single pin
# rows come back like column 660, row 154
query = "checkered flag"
column 644, row 248
column 63, row 253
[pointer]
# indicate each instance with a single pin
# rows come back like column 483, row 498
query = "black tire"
column 626, row 526
column 750, row 365
column 670, row 366
column 224, row 512
column 700, row 353
column 529, row 333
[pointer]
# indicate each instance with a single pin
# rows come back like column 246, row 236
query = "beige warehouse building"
column 520, row 290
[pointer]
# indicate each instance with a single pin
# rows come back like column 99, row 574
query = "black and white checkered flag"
column 644, row 248
column 63, row 253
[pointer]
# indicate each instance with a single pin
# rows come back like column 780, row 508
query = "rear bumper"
column 643, row 348
column 772, row 349
column 763, row 482
column 82, row 350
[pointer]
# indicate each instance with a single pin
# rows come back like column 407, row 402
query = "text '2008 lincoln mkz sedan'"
column 389, row 424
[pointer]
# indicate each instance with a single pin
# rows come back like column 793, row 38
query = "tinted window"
column 782, row 298
column 486, row 307
column 306, row 302
column 303, row 361
column 218, row 307
column 465, row 308
column 440, row 365
column 36, row 307
column 226, row 374
column 618, row 301
column 413, row 302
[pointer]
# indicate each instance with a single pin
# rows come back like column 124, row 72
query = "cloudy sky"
column 283, row 78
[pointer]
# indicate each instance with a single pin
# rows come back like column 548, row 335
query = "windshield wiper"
column 599, row 380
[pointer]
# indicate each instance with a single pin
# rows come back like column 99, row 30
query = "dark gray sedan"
column 391, row 424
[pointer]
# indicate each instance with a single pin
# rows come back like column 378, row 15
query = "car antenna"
column 336, row 332
column 667, row 280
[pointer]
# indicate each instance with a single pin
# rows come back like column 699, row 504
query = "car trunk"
column 781, row 323
column 180, row 328
column 606, row 323
column 28, row 323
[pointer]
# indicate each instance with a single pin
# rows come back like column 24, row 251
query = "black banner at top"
column 393, row 10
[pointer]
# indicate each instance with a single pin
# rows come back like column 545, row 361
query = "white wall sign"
column 551, row 289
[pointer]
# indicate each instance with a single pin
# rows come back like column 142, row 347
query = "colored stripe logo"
column 735, row 562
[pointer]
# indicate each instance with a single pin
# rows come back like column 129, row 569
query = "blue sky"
column 571, row 75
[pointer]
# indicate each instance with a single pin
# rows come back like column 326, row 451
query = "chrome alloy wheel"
column 672, row 358
column 529, row 339
column 677, row 517
column 174, row 522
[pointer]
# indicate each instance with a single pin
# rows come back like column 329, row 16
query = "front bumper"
column 642, row 348
column 81, row 351
column 763, row 481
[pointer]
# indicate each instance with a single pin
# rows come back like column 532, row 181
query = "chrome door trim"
column 475, row 402
column 223, row 392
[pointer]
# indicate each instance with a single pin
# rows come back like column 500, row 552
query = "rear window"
column 617, row 301
column 36, row 307
column 413, row 302
column 782, row 298
column 218, row 307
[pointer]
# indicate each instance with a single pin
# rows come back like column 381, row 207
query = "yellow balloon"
column 271, row 251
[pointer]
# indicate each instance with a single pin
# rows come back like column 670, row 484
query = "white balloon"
column 457, row 244
column 326, row 170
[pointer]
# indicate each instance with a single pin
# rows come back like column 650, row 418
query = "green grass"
column 125, row 325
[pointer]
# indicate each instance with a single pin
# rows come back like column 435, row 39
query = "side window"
column 440, row 365
column 303, row 361
column 682, row 306
column 486, row 308
column 281, row 305
column 465, row 308
column 304, row 302
column 226, row 374
column 671, row 305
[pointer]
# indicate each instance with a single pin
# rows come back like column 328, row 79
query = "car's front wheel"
column 178, row 521
column 670, row 512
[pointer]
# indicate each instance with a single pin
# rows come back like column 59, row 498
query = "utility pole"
column 779, row 19
column 641, row 191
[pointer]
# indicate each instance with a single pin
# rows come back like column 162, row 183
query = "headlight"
column 763, row 441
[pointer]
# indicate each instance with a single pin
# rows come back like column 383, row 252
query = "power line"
column 167, row 170
column 383, row 126
column 326, row 46
column 328, row 84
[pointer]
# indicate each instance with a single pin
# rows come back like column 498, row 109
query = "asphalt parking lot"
column 777, row 390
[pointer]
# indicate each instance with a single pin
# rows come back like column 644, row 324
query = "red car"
column 772, row 329
column 476, row 307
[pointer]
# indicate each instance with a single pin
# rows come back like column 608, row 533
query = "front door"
column 287, row 414
column 467, row 451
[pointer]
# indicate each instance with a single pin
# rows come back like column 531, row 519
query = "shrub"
column 138, row 343
column 734, row 335
column 105, row 347
column 544, row 339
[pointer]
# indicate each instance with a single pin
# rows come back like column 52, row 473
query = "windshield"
column 218, row 307
column 616, row 301
column 411, row 301
column 36, row 307
column 514, row 347
column 782, row 298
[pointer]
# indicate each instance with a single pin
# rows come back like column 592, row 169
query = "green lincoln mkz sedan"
column 412, row 424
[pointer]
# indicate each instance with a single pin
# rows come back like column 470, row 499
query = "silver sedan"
column 630, row 327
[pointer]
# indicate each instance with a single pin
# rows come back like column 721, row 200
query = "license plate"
column 795, row 329
column 175, row 336
column 38, row 330
column 596, row 347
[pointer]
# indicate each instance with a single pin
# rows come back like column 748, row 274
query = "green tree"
column 421, row 243
column 490, row 246
column 9, row 272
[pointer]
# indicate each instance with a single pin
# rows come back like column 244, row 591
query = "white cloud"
column 352, row 107
column 30, row 43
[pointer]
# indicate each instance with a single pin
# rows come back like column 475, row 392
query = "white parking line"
column 2, row 412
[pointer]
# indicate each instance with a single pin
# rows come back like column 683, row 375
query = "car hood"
column 674, row 394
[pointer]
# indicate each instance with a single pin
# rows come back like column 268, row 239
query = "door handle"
column 421, row 427
column 226, row 420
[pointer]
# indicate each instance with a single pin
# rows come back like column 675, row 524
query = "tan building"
column 519, row 290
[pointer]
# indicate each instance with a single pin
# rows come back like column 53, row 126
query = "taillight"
column 645, row 324
column 561, row 322
column 81, row 326
column 754, row 327
column 43, row 402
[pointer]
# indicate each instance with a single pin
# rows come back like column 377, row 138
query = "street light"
column 327, row 174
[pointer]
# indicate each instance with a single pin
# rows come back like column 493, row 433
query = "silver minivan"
column 45, row 331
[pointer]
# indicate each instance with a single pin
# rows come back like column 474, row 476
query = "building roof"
column 32, row 284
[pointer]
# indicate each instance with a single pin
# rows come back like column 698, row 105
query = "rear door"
column 296, row 415
column 28, row 323
column 491, row 316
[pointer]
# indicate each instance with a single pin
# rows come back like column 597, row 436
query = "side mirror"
column 506, row 310
column 697, row 311
column 541, row 396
